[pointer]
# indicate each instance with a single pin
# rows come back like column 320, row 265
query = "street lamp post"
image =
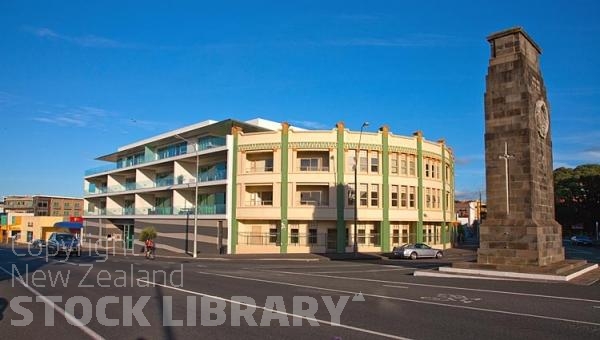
column 356, row 164
column 195, row 196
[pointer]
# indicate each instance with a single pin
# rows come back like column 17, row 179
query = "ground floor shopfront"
column 326, row 236
column 267, row 236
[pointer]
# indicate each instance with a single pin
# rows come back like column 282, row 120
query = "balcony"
column 216, row 175
column 313, row 168
column 259, row 203
column 203, row 144
column 313, row 203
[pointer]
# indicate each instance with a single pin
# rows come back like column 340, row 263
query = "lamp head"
column 365, row 124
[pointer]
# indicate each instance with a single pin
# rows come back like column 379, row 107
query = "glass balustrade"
column 203, row 144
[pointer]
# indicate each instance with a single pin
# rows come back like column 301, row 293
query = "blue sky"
column 78, row 79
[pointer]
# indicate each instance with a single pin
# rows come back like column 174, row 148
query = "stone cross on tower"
column 516, row 113
column 506, row 157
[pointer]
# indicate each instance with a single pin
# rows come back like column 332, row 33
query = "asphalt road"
column 129, row 297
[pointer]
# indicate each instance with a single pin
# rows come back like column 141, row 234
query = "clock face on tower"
column 541, row 118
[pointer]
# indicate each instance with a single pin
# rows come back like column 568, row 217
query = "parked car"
column 581, row 239
column 38, row 243
column 63, row 243
column 416, row 250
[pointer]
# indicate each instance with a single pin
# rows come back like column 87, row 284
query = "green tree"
column 148, row 233
column 577, row 195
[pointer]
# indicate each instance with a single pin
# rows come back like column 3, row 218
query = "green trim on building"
column 385, row 193
column 234, row 168
column 444, row 224
column 341, row 190
column 420, row 187
column 283, row 239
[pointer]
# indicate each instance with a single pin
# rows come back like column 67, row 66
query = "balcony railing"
column 213, row 143
column 323, row 168
column 259, row 169
column 213, row 209
column 164, row 182
column 216, row 175
column 306, row 240
column 259, row 203
column 313, row 203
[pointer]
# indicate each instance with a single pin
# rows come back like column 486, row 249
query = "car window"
column 64, row 238
column 424, row 246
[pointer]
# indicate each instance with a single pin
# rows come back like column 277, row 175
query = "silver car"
column 414, row 251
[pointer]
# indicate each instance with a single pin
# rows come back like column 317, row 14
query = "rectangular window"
column 427, row 168
column 361, row 236
column 171, row 150
column 364, row 195
column 374, row 195
column 273, row 235
column 261, row 198
column 394, row 196
column 309, row 164
column 294, row 236
column 310, row 198
column 374, row 162
column 350, row 160
column 312, row 236
column 404, row 196
column 428, row 198
column 403, row 166
column 433, row 165
column 394, row 163
column 351, row 194
column 411, row 197
column 396, row 235
column 269, row 164
column 412, row 169
column 364, row 161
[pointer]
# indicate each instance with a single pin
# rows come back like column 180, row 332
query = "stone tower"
column 520, row 228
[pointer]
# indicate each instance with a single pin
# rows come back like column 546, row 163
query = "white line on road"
column 436, row 286
column 409, row 300
column 363, row 271
column 73, row 320
column 395, row 286
column 358, row 329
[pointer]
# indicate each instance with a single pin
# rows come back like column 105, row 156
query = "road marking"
column 358, row 329
column 437, row 286
column 395, row 286
column 363, row 271
column 497, row 311
column 73, row 320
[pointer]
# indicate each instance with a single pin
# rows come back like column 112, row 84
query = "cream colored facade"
column 405, row 192
column 265, row 187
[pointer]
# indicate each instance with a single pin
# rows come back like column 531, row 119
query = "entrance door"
column 332, row 240
column 128, row 235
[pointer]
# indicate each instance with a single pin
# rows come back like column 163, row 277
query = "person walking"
column 150, row 247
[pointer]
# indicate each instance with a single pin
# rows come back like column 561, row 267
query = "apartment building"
column 264, row 187
column 40, row 205
column 18, row 204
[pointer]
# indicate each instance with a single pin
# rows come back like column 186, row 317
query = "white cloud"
column 85, row 41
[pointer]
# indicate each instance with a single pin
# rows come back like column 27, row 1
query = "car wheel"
column 413, row 256
column 439, row 255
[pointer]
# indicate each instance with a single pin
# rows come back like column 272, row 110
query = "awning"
column 70, row 225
